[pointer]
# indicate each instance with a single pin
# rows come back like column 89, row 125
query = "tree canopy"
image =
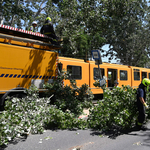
column 89, row 24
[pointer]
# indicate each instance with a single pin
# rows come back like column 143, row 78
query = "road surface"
column 84, row 140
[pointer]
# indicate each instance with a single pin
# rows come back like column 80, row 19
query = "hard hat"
column 48, row 18
column 34, row 22
column 146, row 82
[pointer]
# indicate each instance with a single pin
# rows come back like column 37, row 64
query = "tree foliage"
column 89, row 24
column 13, row 12
column 126, row 31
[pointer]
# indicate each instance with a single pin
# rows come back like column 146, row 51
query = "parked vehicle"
column 25, row 58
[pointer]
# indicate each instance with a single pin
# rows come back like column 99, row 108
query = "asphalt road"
column 84, row 140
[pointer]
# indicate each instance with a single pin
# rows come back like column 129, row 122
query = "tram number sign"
column 96, row 54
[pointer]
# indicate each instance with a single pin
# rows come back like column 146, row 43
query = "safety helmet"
column 48, row 18
column 146, row 82
column 34, row 22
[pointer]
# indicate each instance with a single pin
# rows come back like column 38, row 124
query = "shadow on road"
column 114, row 133
column 15, row 141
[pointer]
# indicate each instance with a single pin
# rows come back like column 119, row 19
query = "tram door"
column 112, row 76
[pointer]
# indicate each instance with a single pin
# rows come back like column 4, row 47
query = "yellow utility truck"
column 25, row 58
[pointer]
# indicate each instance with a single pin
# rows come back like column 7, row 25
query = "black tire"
column 12, row 95
column 18, row 95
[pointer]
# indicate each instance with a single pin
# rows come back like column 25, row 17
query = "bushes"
column 116, row 110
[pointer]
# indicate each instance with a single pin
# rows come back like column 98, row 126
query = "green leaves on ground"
column 32, row 114
column 70, row 97
column 116, row 110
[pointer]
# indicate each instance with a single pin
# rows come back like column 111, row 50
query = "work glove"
column 146, row 106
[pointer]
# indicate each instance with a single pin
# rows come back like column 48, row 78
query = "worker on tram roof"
column 48, row 30
column 33, row 27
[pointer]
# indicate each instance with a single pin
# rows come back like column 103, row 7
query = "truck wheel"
column 17, row 95
column 11, row 94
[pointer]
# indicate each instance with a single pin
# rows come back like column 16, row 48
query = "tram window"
column 144, row 75
column 75, row 71
column 96, row 73
column 136, row 75
column 123, row 75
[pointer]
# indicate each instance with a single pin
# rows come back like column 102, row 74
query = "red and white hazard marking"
column 23, row 31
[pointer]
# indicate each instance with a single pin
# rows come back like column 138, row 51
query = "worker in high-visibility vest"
column 48, row 30
column 33, row 27
column 141, row 102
